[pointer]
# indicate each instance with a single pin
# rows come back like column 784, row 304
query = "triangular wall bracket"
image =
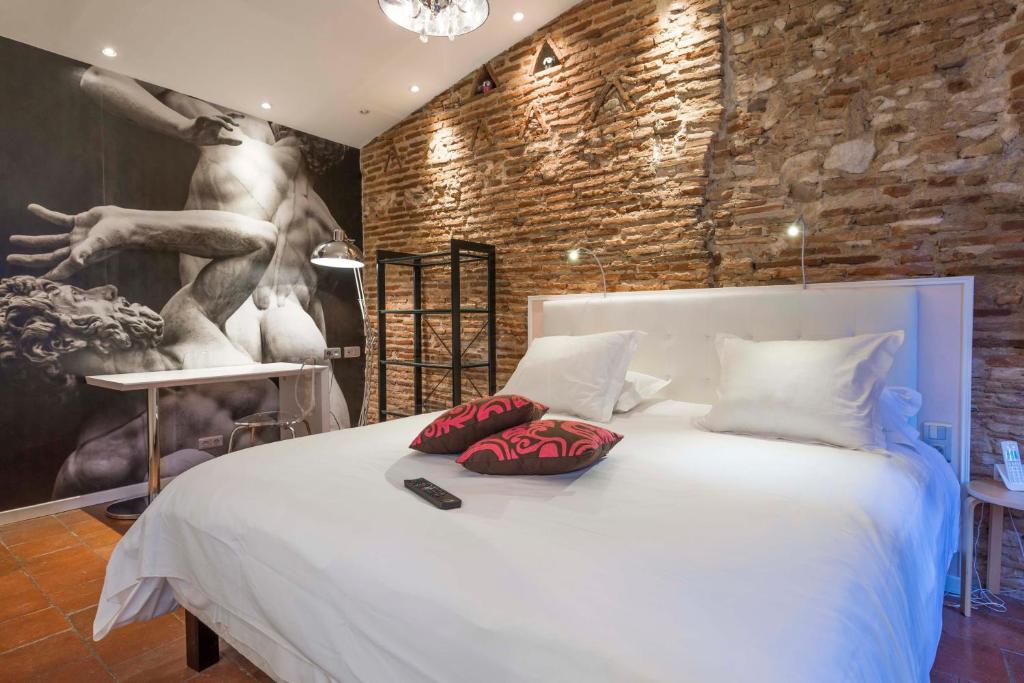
column 534, row 114
column 482, row 138
column 393, row 159
column 548, row 57
column 612, row 85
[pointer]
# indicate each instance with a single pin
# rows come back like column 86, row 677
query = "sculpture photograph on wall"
column 144, row 229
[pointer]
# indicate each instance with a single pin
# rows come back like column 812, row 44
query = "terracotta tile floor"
column 51, row 572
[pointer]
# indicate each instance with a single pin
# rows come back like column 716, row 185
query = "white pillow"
column 638, row 387
column 896, row 406
column 579, row 375
column 822, row 391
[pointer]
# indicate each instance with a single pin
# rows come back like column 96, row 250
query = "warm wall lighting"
column 518, row 16
column 574, row 255
column 109, row 52
column 264, row 105
column 798, row 228
column 414, row 88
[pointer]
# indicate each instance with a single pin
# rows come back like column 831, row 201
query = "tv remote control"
column 433, row 494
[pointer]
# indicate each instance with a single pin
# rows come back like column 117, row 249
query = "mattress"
column 682, row 556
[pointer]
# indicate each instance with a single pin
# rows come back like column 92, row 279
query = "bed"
column 684, row 555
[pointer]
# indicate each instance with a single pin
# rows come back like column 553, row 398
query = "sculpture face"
column 41, row 321
column 102, row 301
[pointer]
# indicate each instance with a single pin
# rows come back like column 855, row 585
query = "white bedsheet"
column 683, row 556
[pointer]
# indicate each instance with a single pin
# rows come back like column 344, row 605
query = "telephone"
column 1011, row 472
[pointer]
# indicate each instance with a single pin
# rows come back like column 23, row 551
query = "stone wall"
column 680, row 138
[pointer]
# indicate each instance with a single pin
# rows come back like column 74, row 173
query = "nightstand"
column 998, row 497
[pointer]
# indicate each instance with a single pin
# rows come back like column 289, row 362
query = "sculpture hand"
column 213, row 130
column 91, row 237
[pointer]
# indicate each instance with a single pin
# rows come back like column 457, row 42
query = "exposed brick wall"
column 679, row 138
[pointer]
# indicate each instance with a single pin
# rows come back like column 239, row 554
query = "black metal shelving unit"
column 460, row 252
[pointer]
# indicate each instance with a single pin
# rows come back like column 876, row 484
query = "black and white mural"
column 144, row 229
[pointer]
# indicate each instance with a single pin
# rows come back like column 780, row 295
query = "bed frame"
column 935, row 313
column 202, row 645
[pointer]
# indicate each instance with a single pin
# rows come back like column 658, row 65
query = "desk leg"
column 995, row 548
column 133, row 507
column 967, row 554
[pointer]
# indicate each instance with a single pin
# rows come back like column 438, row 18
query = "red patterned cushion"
column 540, row 447
column 462, row 426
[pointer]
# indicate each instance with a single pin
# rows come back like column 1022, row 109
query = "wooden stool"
column 999, row 497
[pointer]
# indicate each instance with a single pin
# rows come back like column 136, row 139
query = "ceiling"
column 318, row 62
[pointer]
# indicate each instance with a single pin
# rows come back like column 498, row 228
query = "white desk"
column 152, row 382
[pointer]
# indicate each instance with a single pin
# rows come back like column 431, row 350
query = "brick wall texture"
column 678, row 139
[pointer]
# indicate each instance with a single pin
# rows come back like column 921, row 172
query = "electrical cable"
column 982, row 597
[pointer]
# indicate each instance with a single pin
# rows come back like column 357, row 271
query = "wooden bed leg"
column 202, row 646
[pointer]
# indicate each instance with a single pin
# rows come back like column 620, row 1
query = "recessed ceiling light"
column 264, row 105
column 518, row 16
column 109, row 52
column 414, row 88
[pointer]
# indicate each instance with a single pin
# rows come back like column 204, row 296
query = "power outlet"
column 353, row 351
column 211, row 441
column 939, row 435
column 332, row 353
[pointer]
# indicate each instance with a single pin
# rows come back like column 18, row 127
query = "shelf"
column 440, row 258
column 432, row 311
column 547, row 58
column 458, row 362
column 427, row 364
column 483, row 76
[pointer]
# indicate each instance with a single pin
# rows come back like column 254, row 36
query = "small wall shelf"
column 483, row 77
column 547, row 58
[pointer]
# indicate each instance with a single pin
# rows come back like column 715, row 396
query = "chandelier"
column 436, row 17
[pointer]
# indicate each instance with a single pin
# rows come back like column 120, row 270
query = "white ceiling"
column 317, row 61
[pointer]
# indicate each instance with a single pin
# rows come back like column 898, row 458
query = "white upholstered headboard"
column 935, row 313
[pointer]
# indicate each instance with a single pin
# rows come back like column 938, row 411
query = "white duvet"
column 683, row 556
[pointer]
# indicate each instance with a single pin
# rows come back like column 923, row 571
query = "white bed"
column 683, row 556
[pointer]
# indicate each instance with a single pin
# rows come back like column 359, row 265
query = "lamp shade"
column 340, row 252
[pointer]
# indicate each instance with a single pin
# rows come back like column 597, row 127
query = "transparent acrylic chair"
column 279, row 419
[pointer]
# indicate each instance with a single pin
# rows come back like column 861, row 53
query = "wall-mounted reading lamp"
column 573, row 256
column 342, row 253
column 798, row 228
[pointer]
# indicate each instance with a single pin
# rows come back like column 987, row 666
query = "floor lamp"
column 342, row 253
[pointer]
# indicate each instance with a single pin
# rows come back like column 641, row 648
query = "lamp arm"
column 370, row 336
column 593, row 255
column 803, row 248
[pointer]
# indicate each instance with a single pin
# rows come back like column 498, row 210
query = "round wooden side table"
column 998, row 497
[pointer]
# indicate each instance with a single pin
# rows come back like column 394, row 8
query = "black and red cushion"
column 462, row 426
column 540, row 447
